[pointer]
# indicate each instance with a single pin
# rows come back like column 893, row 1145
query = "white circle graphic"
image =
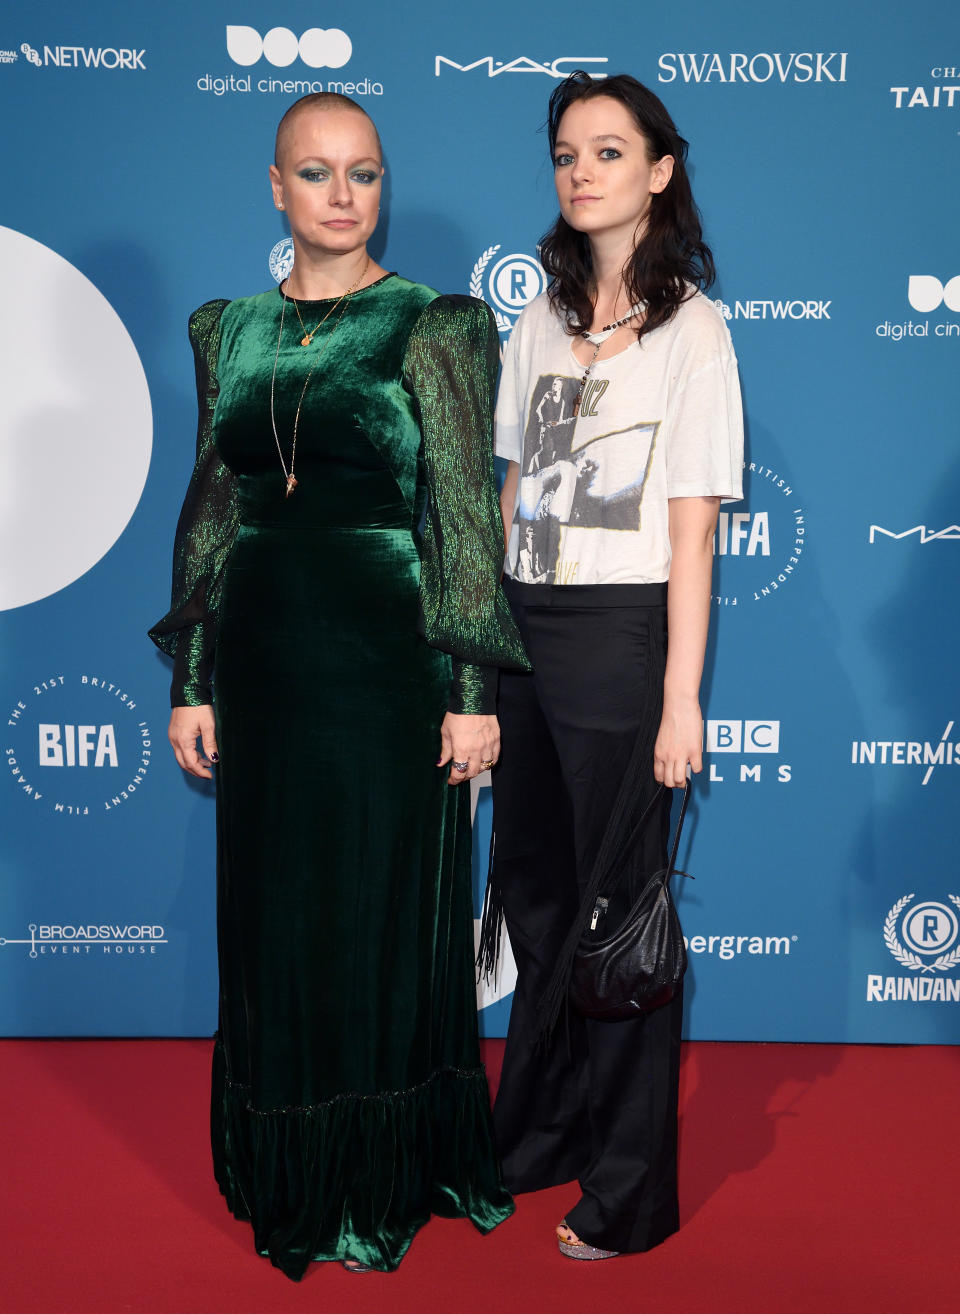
column 930, row 928
column 76, row 427
column 325, row 49
column 280, row 46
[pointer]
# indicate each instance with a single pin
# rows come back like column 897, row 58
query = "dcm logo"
column 926, row 293
column 317, row 47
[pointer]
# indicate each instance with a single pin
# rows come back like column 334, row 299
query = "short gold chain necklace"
column 343, row 301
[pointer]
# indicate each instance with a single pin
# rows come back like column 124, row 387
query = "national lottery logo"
column 280, row 259
column 758, row 549
column 77, row 745
column 507, row 284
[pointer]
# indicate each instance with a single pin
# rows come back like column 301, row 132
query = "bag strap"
column 555, row 994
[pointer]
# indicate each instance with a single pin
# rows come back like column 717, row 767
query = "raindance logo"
column 507, row 284
column 77, row 746
column 781, row 310
column 922, row 937
column 80, row 940
column 907, row 752
column 928, row 295
column 281, row 259
column 746, row 739
column 767, row 541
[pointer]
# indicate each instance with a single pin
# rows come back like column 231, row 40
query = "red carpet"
column 813, row 1178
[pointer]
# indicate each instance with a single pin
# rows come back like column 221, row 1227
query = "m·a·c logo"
column 318, row 47
column 926, row 293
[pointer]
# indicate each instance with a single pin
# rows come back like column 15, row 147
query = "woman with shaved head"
column 327, row 652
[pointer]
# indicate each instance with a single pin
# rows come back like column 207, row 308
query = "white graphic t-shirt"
column 660, row 419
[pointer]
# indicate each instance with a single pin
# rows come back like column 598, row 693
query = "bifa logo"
column 950, row 534
column 742, row 532
column 507, row 284
column 758, row 550
column 926, row 293
column 317, row 48
column 922, row 937
column 557, row 68
column 77, row 745
column 747, row 739
column 61, row 753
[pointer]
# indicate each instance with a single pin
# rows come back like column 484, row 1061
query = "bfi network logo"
column 746, row 739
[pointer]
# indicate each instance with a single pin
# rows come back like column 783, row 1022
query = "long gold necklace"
column 344, row 301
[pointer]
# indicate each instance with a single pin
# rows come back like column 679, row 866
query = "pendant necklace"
column 343, row 301
column 598, row 339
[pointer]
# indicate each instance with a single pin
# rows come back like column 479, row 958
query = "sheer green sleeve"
column 451, row 369
column 205, row 534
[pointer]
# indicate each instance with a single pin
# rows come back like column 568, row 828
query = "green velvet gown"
column 349, row 1102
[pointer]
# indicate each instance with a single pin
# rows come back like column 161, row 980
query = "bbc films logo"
column 77, row 746
column 314, row 49
column 758, row 550
column 923, row 754
column 554, row 68
column 941, row 92
column 80, row 940
column 109, row 58
column 756, row 742
column 775, row 311
column 805, row 66
column 507, row 284
column 923, row 938
column 930, row 296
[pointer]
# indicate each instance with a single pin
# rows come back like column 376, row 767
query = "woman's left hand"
column 679, row 742
column 474, row 740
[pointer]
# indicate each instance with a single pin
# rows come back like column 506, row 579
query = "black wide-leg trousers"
column 599, row 1104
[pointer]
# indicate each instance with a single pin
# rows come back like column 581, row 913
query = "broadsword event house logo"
column 922, row 936
column 506, row 283
column 81, row 939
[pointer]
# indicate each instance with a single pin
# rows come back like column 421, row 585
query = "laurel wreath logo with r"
column 906, row 956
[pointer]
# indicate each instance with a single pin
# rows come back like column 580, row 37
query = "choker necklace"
column 343, row 300
column 598, row 339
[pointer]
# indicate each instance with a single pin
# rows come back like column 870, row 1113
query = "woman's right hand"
column 187, row 725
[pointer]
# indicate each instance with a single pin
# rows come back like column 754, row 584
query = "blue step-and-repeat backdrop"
column 825, row 152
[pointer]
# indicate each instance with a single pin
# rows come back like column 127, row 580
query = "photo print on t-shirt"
column 580, row 481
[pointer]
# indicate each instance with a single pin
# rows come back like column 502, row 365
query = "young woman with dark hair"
column 621, row 484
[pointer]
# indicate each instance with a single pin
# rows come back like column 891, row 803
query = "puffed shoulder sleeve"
column 205, row 534
column 451, row 370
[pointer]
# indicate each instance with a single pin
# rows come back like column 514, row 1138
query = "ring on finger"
column 460, row 766
column 486, row 766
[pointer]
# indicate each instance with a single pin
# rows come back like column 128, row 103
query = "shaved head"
column 319, row 100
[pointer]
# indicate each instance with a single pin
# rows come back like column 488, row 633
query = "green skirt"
column 349, row 1102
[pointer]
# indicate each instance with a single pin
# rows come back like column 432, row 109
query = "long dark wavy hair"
column 670, row 254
